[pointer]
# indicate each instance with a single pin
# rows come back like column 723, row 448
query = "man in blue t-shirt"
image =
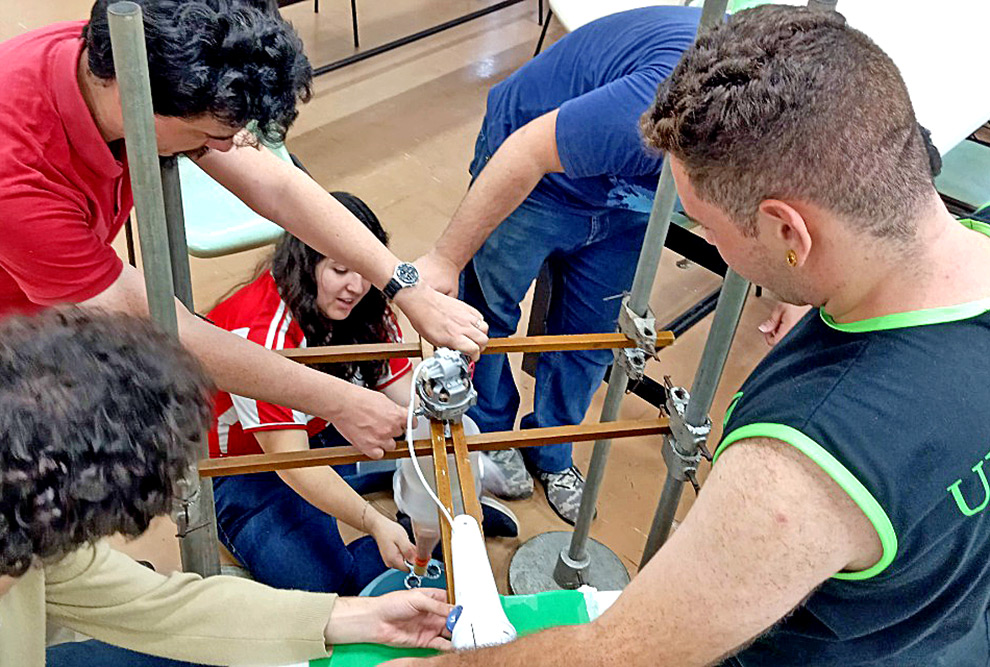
column 561, row 174
column 846, row 519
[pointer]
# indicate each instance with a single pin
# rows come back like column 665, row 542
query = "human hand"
column 370, row 421
column 393, row 543
column 439, row 273
column 782, row 319
column 444, row 321
column 411, row 619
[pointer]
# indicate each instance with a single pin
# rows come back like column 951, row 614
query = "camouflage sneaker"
column 507, row 477
column 564, row 491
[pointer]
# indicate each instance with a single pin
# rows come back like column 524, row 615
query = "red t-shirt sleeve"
column 50, row 250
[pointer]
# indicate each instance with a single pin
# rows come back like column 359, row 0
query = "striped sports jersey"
column 256, row 312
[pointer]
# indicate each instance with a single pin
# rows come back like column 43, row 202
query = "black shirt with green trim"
column 895, row 410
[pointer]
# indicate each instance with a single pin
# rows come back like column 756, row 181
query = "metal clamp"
column 640, row 329
column 684, row 438
column 186, row 512
column 444, row 386
column 632, row 360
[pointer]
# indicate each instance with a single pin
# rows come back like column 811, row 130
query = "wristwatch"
column 405, row 275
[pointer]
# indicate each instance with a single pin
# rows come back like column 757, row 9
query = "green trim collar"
column 915, row 318
column 840, row 474
column 918, row 318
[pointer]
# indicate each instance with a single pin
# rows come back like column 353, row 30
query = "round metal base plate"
column 531, row 568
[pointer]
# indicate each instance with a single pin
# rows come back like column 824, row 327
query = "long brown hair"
column 293, row 265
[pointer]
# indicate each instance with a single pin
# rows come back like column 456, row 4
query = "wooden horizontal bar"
column 239, row 465
column 352, row 353
column 557, row 343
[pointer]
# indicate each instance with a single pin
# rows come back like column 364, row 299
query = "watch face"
column 407, row 274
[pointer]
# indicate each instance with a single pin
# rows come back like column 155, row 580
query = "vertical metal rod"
column 663, row 520
column 176, row 225
column 197, row 520
column 653, row 241
column 572, row 562
column 197, row 524
column 130, row 59
column 727, row 314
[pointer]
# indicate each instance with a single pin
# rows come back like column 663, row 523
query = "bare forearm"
column 569, row 646
column 325, row 490
column 288, row 197
column 248, row 369
column 504, row 184
column 510, row 176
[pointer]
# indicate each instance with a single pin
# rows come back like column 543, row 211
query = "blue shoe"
column 498, row 520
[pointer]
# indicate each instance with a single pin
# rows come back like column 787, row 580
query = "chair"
column 964, row 182
column 217, row 222
column 316, row 8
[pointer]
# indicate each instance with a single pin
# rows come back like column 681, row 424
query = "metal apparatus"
column 444, row 387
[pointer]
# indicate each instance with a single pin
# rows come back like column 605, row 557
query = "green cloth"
column 529, row 613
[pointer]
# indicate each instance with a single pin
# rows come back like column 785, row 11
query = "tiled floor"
column 398, row 130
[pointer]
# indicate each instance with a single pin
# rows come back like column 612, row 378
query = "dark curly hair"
column 236, row 60
column 293, row 265
column 789, row 102
column 100, row 415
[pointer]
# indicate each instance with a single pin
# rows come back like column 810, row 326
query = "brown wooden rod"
column 438, row 441
column 465, row 476
column 352, row 353
column 238, row 465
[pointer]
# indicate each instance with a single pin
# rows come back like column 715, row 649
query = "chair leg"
column 542, row 295
column 129, row 236
column 543, row 33
column 316, row 6
column 354, row 23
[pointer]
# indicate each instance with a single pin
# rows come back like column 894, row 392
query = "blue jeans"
column 287, row 543
column 594, row 256
column 93, row 653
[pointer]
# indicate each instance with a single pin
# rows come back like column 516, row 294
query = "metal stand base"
column 532, row 566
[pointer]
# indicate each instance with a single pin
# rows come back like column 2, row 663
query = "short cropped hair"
column 789, row 102
column 100, row 416
column 236, row 60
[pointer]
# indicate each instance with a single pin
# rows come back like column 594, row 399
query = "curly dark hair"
column 789, row 102
column 293, row 265
column 100, row 416
column 236, row 60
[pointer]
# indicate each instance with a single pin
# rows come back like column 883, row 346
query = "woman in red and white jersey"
column 283, row 526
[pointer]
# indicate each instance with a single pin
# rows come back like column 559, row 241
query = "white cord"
column 412, row 448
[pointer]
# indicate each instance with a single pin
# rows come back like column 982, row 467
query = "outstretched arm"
column 366, row 418
column 288, row 197
column 509, row 177
column 768, row 528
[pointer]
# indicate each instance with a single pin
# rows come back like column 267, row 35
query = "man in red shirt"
column 215, row 66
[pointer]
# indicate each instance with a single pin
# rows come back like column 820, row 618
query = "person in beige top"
column 101, row 415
